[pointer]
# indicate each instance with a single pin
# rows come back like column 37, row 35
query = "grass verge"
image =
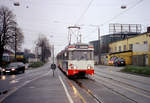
column 36, row 64
column 137, row 70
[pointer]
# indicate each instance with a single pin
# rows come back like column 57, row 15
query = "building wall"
column 142, row 40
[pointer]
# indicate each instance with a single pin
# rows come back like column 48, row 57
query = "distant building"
column 29, row 57
column 96, row 50
column 8, row 55
column 95, row 45
column 117, row 32
column 32, row 58
column 135, row 50
column 105, row 41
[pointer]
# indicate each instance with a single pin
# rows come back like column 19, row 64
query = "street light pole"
column 53, row 54
column 99, row 42
column 99, row 45
column 52, row 50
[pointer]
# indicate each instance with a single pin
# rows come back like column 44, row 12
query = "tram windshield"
column 81, row 55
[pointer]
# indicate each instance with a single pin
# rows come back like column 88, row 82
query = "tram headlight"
column 89, row 67
column 75, row 67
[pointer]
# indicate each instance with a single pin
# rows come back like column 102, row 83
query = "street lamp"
column 123, row 7
column 16, row 4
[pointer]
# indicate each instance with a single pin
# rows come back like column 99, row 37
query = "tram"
column 77, row 59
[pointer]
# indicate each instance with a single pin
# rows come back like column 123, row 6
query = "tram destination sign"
column 82, row 46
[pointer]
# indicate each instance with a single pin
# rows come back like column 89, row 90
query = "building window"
column 119, row 48
column 111, row 50
column 115, row 49
column 125, row 47
column 130, row 46
column 145, row 42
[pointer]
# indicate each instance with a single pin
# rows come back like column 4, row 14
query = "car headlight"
column 13, row 69
column 3, row 70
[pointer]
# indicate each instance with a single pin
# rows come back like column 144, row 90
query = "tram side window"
column 70, row 56
column 65, row 56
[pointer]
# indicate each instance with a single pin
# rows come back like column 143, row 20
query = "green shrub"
column 137, row 70
column 36, row 64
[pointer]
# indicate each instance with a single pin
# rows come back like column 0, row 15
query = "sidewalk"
column 47, row 89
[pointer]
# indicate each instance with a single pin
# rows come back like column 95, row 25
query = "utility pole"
column 99, row 45
column 53, row 54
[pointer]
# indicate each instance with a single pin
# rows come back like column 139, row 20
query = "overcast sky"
column 52, row 17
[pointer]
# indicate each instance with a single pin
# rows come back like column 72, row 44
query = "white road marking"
column 65, row 88
column 13, row 81
column 19, row 78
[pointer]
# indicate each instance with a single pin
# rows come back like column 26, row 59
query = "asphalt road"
column 108, row 85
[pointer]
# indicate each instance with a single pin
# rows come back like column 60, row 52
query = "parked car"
column 15, row 67
column 119, row 62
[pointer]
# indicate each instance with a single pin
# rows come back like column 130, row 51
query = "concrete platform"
column 47, row 89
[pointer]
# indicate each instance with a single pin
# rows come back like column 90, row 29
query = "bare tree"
column 43, row 43
column 17, row 40
column 8, row 30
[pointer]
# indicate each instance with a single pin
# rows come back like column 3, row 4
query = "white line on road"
column 65, row 88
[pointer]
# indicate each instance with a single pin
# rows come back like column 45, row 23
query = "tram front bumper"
column 73, row 71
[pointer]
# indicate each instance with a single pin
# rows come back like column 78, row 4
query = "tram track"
column 125, row 83
column 88, row 91
column 80, row 84
column 124, row 77
column 128, row 88
column 98, row 100
column 105, row 84
column 115, row 91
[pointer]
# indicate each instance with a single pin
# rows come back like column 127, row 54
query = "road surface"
column 108, row 85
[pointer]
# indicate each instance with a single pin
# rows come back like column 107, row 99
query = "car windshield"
column 81, row 55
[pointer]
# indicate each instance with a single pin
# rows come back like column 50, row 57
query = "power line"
column 133, row 6
column 84, row 11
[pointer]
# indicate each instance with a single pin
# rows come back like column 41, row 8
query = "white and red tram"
column 77, row 59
